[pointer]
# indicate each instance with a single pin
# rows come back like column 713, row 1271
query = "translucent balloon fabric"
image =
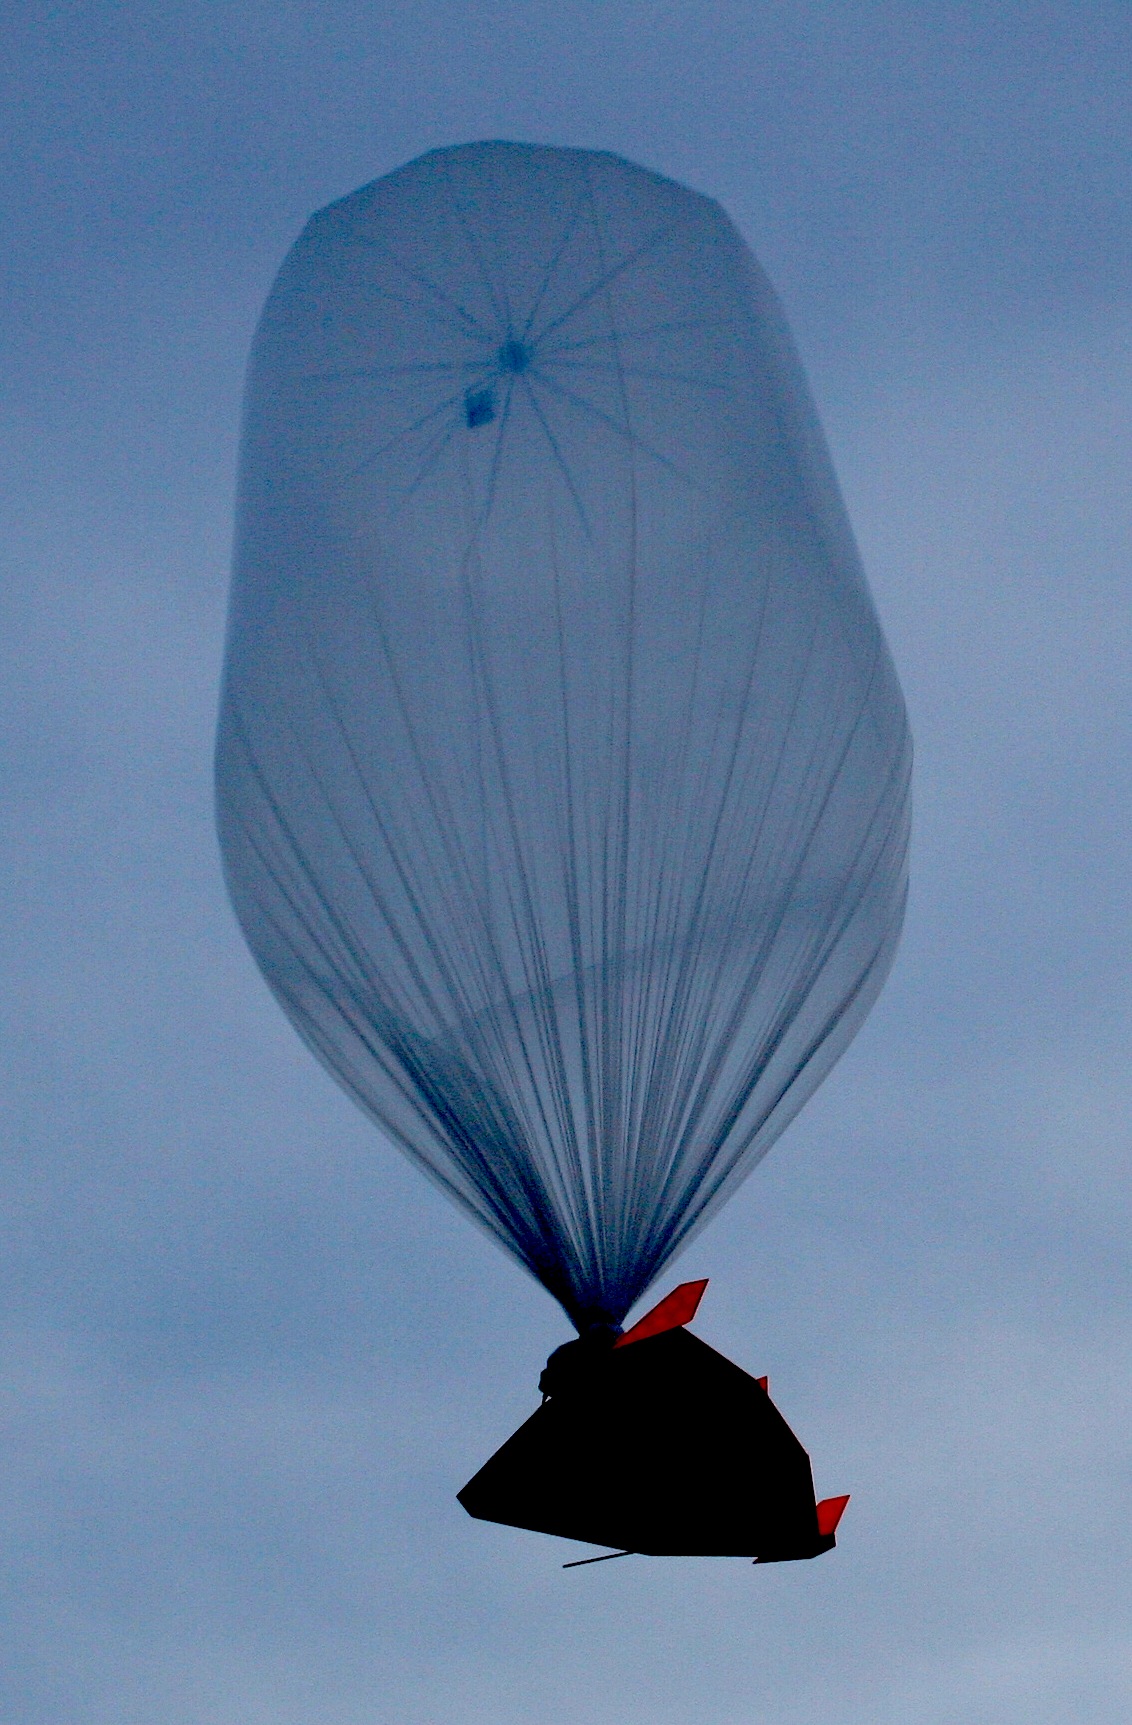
column 562, row 768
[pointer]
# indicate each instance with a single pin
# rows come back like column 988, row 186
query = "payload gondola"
column 654, row 1443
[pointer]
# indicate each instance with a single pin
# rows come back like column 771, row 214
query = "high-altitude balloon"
column 562, row 768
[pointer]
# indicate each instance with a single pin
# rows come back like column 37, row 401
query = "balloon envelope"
column 562, row 768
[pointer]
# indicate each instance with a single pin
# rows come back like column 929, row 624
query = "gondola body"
column 662, row 1446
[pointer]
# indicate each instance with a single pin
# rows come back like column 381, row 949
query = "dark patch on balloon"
column 479, row 407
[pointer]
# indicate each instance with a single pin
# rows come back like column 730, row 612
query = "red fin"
column 764, row 1384
column 830, row 1511
column 676, row 1309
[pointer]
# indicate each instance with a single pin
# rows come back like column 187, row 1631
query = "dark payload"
column 655, row 1443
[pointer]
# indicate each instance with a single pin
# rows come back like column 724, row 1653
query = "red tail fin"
column 676, row 1309
column 830, row 1511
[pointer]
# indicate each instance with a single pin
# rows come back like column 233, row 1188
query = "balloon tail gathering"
column 563, row 775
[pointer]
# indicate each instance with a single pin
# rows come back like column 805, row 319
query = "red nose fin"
column 830, row 1511
column 764, row 1384
column 676, row 1308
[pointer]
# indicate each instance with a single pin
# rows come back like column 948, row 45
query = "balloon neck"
column 574, row 1362
column 598, row 1331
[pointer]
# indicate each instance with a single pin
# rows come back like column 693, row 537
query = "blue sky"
column 248, row 1355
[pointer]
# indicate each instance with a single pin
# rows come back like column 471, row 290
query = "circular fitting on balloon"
column 514, row 355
